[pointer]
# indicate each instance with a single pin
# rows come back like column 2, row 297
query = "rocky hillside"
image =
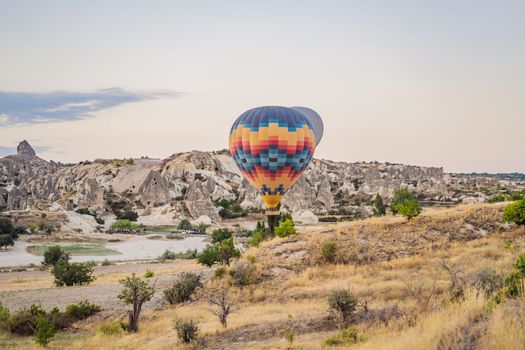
column 188, row 185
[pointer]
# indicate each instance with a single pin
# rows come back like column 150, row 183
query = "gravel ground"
column 104, row 294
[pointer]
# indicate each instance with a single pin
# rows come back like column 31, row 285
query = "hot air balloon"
column 272, row 146
column 315, row 119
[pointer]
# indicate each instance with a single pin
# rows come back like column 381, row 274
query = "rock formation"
column 189, row 185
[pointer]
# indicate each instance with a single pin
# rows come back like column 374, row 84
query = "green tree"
column 515, row 213
column 227, row 251
column 70, row 274
column 135, row 292
column 209, row 255
column 379, row 206
column 6, row 240
column 125, row 226
column 44, row 330
column 406, row 204
column 220, row 235
column 185, row 224
column 54, row 254
column 6, row 227
column 285, row 229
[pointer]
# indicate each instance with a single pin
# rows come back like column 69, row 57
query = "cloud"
column 20, row 108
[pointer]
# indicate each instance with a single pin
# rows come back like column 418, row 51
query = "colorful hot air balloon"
column 272, row 147
column 315, row 119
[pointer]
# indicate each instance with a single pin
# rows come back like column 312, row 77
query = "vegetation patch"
column 73, row 249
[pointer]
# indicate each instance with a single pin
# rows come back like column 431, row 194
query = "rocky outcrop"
column 24, row 148
column 190, row 184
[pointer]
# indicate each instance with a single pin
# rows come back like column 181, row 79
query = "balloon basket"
column 272, row 212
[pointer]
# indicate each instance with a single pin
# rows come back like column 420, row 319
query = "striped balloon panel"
column 272, row 147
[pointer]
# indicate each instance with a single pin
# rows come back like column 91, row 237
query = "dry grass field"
column 405, row 275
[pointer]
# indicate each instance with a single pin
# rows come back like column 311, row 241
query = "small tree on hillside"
column 135, row 292
column 227, row 251
column 515, row 213
column 71, row 274
column 6, row 226
column 185, row 224
column 220, row 235
column 54, row 254
column 44, row 330
column 379, row 206
column 406, row 204
column 285, row 229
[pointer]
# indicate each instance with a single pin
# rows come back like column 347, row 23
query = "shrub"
column 285, row 229
column 243, row 274
column 202, row 228
column 185, row 224
column 125, row 226
column 46, row 228
column 149, row 274
column 209, row 255
column 257, row 237
column 6, row 241
column 227, row 251
column 183, row 288
column 54, row 254
column 486, row 281
column 70, row 274
column 170, row 255
column 406, row 204
column 82, row 310
column 111, row 328
column 345, row 336
column 328, row 251
column 379, row 206
column 4, row 317
column 44, row 330
column 129, row 215
column 7, row 227
column 220, row 235
column 106, row 262
column 21, row 323
column 342, row 302
column 187, row 330
column 515, row 213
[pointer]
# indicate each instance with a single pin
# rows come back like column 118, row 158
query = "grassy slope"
column 382, row 258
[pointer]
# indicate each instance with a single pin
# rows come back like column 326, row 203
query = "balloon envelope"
column 272, row 147
column 315, row 119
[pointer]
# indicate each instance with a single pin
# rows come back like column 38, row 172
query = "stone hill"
column 189, row 184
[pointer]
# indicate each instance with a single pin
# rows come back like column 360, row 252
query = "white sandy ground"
column 135, row 248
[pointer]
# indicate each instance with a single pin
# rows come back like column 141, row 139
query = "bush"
column 135, row 292
column 346, row 336
column 202, row 228
column 220, row 235
column 379, row 206
column 328, row 251
column 124, row 226
column 106, row 262
column 486, row 281
column 129, row 215
column 183, row 288
column 515, row 213
column 227, row 251
column 44, row 330
column 82, row 310
column 149, row 274
column 70, row 274
column 7, row 227
column 342, row 302
column 405, row 204
column 46, row 228
column 285, row 229
column 185, row 224
column 257, row 238
column 111, row 328
column 6, row 241
column 209, row 255
column 4, row 317
column 21, row 323
column 187, row 330
column 54, row 254
column 243, row 274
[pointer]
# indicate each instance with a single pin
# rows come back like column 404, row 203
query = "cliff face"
column 187, row 184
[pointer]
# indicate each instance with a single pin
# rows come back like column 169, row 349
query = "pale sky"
column 439, row 83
